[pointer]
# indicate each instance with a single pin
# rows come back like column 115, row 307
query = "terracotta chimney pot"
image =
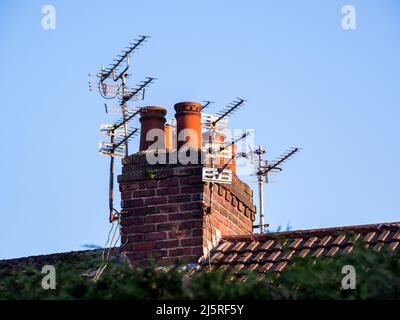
column 152, row 117
column 188, row 116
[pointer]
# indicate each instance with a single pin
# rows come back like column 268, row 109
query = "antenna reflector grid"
column 207, row 121
column 214, row 175
column 108, row 149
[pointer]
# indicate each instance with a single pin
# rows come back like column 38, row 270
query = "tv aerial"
column 217, row 148
column 223, row 174
column 264, row 168
column 111, row 84
column 206, row 104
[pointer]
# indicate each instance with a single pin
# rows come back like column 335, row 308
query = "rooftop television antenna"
column 263, row 169
column 229, row 110
column 206, row 104
column 111, row 83
column 217, row 124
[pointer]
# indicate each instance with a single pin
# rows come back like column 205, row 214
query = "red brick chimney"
column 164, row 206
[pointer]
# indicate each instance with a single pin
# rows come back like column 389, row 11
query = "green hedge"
column 377, row 277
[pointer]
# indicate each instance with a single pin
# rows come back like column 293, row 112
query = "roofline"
column 309, row 232
column 55, row 254
column 258, row 237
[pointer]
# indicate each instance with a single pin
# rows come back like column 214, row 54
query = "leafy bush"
column 377, row 277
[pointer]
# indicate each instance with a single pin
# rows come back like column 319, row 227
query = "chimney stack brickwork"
column 163, row 213
column 166, row 214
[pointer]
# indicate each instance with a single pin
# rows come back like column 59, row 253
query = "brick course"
column 164, row 216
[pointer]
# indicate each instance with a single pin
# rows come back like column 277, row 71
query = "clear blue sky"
column 308, row 83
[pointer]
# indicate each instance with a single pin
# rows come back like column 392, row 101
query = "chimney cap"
column 187, row 106
column 153, row 109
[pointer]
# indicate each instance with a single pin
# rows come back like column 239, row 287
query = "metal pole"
column 111, row 185
column 260, row 151
column 260, row 189
column 123, row 109
column 210, row 150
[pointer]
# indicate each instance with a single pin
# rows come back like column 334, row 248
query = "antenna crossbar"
column 206, row 104
column 117, row 125
column 231, row 108
column 105, row 74
column 244, row 135
column 125, row 138
column 275, row 166
column 138, row 89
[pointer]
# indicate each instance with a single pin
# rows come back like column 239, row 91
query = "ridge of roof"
column 37, row 257
column 311, row 232
column 257, row 252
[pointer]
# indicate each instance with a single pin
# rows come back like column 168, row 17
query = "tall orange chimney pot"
column 188, row 116
column 152, row 117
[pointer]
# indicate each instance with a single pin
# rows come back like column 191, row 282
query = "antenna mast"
column 260, row 152
column 263, row 171
column 119, row 133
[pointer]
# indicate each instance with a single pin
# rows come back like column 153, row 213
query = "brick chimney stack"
column 165, row 213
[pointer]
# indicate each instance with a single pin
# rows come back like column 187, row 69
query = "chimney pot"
column 152, row 117
column 169, row 137
column 188, row 116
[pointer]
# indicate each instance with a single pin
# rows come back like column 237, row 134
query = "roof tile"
column 332, row 251
column 394, row 245
column 339, row 239
column 273, row 252
column 259, row 256
column 216, row 257
column 231, row 257
column 378, row 246
column 370, row 236
column 238, row 246
column 223, row 246
column 318, row 252
column 280, row 266
column 325, row 241
column 238, row 267
column 288, row 255
column 295, row 243
column 273, row 256
column 355, row 238
column 396, row 236
column 384, row 235
column 349, row 249
column 254, row 244
column 267, row 245
column 304, row 252
column 266, row 267
column 253, row 267
column 280, row 244
column 245, row 257
column 310, row 242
